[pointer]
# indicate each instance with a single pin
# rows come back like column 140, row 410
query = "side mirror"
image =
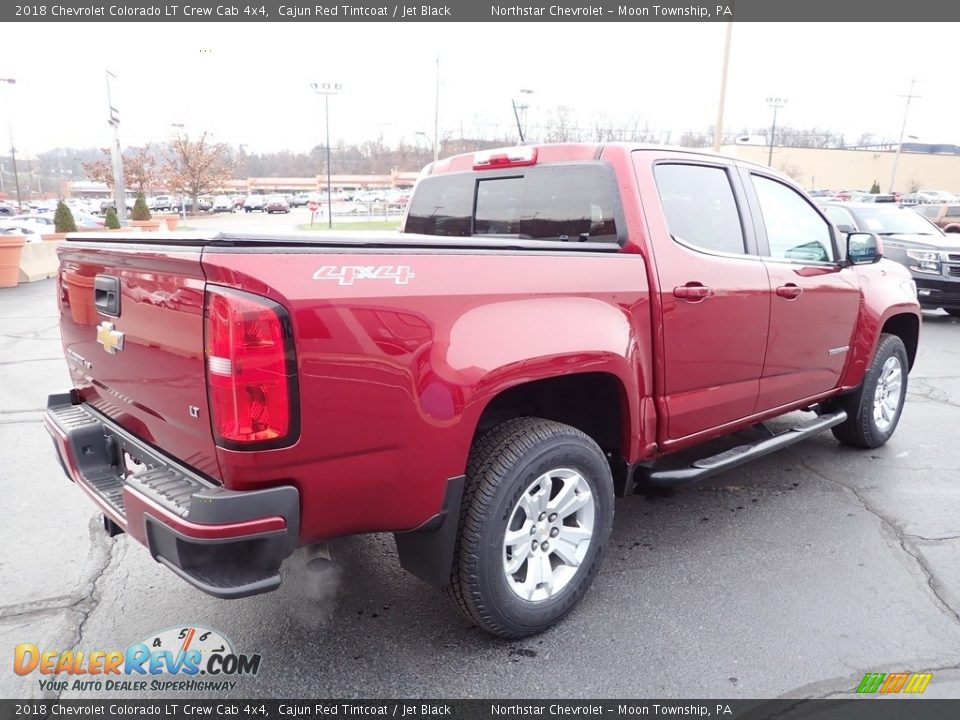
column 863, row 248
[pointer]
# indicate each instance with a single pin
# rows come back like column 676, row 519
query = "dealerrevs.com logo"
column 178, row 659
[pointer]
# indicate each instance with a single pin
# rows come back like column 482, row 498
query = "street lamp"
column 327, row 89
column 13, row 150
column 776, row 103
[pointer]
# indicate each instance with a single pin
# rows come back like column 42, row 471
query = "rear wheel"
column 874, row 410
column 536, row 517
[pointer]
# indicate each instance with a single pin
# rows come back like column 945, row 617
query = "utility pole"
column 436, row 115
column 903, row 128
column 13, row 150
column 776, row 103
column 718, row 127
column 119, row 191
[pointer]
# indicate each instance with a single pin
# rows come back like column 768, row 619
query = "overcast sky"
column 249, row 83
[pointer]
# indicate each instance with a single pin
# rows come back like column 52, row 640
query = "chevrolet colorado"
column 552, row 325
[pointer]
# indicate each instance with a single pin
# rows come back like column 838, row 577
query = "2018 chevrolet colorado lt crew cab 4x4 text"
column 551, row 324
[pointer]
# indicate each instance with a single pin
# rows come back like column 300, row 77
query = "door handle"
column 692, row 291
column 789, row 291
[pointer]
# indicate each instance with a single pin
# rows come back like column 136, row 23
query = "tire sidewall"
column 558, row 452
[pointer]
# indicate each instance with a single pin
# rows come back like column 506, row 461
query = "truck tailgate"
column 140, row 361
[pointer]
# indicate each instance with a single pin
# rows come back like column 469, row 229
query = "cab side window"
column 700, row 207
column 795, row 231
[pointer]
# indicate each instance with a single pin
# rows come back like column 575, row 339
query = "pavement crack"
column 36, row 607
column 90, row 599
column 921, row 538
column 30, row 360
column 902, row 541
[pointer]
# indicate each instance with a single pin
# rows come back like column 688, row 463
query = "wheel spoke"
column 568, row 490
column 518, row 537
column 528, row 503
column 541, row 497
column 574, row 502
column 539, row 574
column 518, row 556
column 566, row 551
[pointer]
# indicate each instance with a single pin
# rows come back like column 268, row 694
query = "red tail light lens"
column 506, row 157
column 251, row 371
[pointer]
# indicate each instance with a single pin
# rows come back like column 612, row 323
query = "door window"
column 700, row 207
column 795, row 231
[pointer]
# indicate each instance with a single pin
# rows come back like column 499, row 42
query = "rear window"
column 953, row 211
column 553, row 202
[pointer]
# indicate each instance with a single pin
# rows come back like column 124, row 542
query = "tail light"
column 251, row 371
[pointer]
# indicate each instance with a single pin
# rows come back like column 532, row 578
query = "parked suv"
column 945, row 217
column 911, row 238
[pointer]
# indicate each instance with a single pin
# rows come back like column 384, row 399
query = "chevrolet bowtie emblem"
column 112, row 340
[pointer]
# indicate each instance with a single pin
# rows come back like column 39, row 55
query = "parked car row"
column 917, row 238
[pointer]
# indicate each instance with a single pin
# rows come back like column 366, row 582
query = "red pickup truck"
column 552, row 325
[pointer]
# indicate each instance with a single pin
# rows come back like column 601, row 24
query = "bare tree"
column 197, row 166
column 141, row 169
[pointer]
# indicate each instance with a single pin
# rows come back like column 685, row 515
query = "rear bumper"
column 228, row 544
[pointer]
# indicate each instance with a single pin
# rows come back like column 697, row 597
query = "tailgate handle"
column 106, row 295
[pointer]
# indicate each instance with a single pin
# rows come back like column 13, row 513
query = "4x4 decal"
column 347, row 274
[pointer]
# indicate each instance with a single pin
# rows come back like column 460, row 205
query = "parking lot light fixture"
column 327, row 89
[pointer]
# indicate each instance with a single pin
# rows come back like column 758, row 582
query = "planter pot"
column 11, row 246
column 53, row 237
column 147, row 225
column 80, row 296
column 171, row 221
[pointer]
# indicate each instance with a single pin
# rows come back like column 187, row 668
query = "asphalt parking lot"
column 791, row 577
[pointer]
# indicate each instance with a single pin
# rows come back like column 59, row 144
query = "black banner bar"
column 854, row 708
column 858, row 11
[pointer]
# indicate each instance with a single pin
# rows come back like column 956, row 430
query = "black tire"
column 953, row 312
column 503, row 463
column 860, row 428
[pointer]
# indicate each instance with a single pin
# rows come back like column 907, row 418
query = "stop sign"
column 313, row 206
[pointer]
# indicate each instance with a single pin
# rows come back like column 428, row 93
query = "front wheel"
column 874, row 410
column 535, row 520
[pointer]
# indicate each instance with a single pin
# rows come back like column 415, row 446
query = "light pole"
column 903, row 128
column 776, row 103
column 327, row 89
column 119, row 191
column 13, row 150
